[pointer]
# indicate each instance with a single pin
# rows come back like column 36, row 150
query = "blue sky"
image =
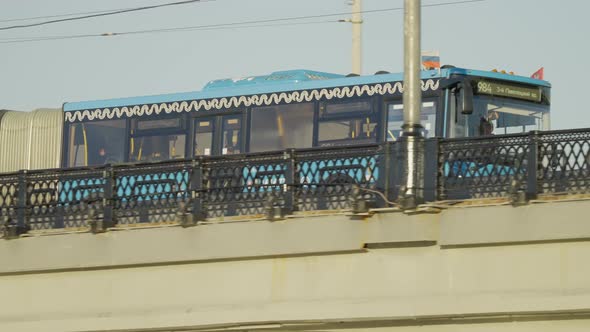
column 515, row 35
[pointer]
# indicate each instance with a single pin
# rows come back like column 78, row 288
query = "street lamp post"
column 412, row 141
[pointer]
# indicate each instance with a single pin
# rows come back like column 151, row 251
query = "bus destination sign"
column 508, row 90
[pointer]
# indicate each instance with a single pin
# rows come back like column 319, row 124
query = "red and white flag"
column 539, row 74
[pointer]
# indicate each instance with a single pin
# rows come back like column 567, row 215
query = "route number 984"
column 484, row 87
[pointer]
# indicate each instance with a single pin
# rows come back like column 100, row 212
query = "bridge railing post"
column 431, row 169
column 97, row 223
column 290, row 181
column 108, row 201
column 386, row 183
column 197, row 191
column 22, row 226
column 396, row 170
column 532, row 171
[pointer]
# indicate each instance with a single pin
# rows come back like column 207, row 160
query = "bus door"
column 204, row 136
column 231, row 134
column 218, row 135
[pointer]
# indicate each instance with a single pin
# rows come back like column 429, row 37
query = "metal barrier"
column 521, row 166
column 493, row 166
column 274, row 184
column 563, row 164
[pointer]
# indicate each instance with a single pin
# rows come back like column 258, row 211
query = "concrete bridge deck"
column 487, row 267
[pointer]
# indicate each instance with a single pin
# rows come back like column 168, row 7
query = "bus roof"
column 283, row 81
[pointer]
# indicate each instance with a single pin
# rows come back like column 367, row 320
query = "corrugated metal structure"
column 30, row 140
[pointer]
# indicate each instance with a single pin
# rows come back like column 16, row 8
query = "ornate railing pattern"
column 244, row 184
column 493, row 166
column 60, row 198
column 273, row 184
column 331, row 179
column 149, row 192
column 521, row 165
column 564, row 161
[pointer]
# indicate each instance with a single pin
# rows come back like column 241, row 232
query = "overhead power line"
column 60, row 15
column 48, row 38
column 218, row 26
column 96, row 14
column 295, row 18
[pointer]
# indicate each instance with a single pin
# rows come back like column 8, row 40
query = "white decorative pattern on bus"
column 242, row 101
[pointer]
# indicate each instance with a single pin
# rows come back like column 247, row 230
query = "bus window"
column 172, row 123
column 96, row 143
column 496, row 116
column 395, row 119
column 350, row 122
column 157, row 139
column 204, row 129
column 157, row 147
column 281, row 127
column 231, row 126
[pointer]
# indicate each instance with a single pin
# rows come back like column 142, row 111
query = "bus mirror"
column 466, row 98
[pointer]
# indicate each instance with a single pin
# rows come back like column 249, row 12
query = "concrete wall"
column 447, row 271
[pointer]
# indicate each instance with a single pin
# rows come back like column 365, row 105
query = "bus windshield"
column 508, row 116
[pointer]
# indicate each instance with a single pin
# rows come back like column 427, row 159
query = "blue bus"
column 297, row 109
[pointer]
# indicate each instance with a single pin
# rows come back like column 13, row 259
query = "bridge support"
column 493, row 268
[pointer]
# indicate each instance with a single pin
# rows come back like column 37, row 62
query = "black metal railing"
column 563, row 164
column 492, row 166
column 520, row 166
